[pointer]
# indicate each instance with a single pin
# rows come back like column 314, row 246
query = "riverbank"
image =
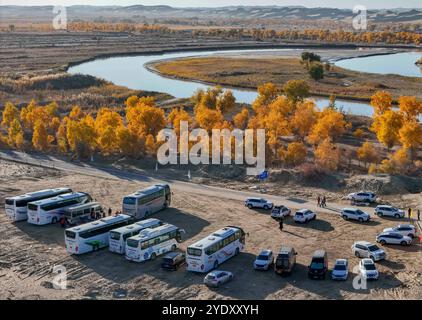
column 247, row 72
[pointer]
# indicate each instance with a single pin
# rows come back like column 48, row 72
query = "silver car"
column 258, row 203
column 403, row 229
column 364, row 249
column 340, row 270
column 217, row 277
column 394, row 238
column 389, row 211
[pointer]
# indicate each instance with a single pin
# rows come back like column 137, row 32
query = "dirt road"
column 28, row 253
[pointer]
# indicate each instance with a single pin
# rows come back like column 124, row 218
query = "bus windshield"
column 32, row 206
column 194, row 252
column 129, row 200
column 114, row 235
column 70, row 234
column 132, row 243
column 10, row 202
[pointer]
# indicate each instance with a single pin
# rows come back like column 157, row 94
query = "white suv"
column 258, row 203
column 304, row 215
column 389, row 211
column 355, row 214
column 280, row 212
column 368, row 269
column 362, row 196
column 393, row 238
column 403, row 229
column 364, row 249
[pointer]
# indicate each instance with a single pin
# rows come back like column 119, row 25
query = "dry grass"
column 252, row 72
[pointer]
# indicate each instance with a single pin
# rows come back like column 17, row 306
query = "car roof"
column 390, row 233
column 254, row 198
column 405, row 226
column 384, row 206
column 367, row 261
column 351, row 209
column 215, row 272
column 364, row 243
column 285, row 249
column 171, row 255
column 266, row 252
column 303, row 210
column 319, row 253
column 341, row 261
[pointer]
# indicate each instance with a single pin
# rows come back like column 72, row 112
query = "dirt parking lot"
column 28, row 253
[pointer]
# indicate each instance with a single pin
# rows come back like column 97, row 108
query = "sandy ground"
column 28, row 253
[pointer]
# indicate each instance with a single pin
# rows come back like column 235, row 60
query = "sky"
column 349, row 4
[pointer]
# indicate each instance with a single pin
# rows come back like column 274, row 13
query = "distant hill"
column 139, row 12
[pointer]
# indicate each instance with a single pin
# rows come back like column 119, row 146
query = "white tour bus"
column 51, row 210
column 213, row 250
column 93, row 235
column 16, row 207
column 82, row 212
column 117, row 241
column 150, row 243
column 148, row 201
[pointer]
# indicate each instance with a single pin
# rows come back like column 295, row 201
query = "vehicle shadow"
column 394, row 265
column 370, row 223
column 116, row 268
column 317, row 224
column 414, row 247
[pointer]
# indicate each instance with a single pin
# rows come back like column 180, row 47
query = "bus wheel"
column 216, row 264
column 173, row 247
column 153, row 256
column 236, row 252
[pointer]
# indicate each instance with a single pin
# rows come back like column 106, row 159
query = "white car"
column 368, row 269
column 355, row 214
column 217, row 277
column 304, row 215
column 364, row 249
column 403, row 229
column 258, row 203
column 340, row 270
column 393, row 238
column 362, row 196
column 280, row 212
column 264, row 260
column 389, row 211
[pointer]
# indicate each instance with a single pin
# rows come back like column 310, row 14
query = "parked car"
column 355, row 214
column 258, row 203
column 368, row 269
column 364, row 249
column 319, row 265
column 285, row 261
column 173, row 260
column 304, row 215
column 280, row 212
column 394, row 238
column 362, row 196
column 264, row 260
column 403, row 229
column 389, row 211
column 217, row 278
column 340, row 270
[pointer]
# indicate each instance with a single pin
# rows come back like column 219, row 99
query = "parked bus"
column 93, row 235
column 208, row 253
column 150, row 243
column 51, row 210
column 16, row 207
column 117, row 241
column 147, row 201
column 82, row 212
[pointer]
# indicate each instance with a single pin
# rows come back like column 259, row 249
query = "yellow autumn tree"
column 106, row 124
column 410, row 136
column 81, row 136
column 327, row 155
column 61, row 136
column 176, row 116
column 368, row 153
column 381, row 101
column 266, row 94
column 295, row 154
column 240, row 120
column 304, row 119
column 15, row 136
column 145, row 119
column 132, row 101
column 296, row 90
column 386, row 126
column 76, row 113
column 150, row 145
column 208, row 119
column 129, row 143
column 10, row 113
column 330, row 125
column 226, row 102
column 410, row 107
column 40, row 138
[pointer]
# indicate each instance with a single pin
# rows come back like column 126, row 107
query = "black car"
column 319, row 265
column 173, row 261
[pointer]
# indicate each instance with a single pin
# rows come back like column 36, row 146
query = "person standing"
column 281, row 224
column 419, row 215
column 409, row 212
column 324, row 202
column 319, row 201
column 109, row 211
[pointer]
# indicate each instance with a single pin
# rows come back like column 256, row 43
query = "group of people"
column 322, row 201
column 417, row 213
